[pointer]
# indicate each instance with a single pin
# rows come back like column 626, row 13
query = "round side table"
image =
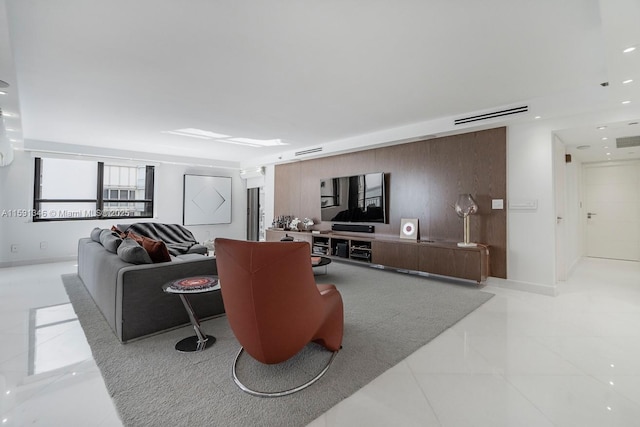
column 320, row 261
column 184, row 287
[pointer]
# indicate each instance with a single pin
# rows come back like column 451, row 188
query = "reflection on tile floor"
column 45, row 361
column 521, row 359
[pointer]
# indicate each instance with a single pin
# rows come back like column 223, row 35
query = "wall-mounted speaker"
column 356, row 228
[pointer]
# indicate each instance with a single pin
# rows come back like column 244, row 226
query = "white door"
column 612, row 210
column 559, row 168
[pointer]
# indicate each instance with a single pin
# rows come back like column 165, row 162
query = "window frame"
column 100, row 200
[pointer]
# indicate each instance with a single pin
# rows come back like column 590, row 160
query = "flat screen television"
column 356, row 198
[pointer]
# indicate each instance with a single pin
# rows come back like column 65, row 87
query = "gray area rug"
column 387, row 317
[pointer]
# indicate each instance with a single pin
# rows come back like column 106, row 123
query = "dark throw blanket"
column 177, row 238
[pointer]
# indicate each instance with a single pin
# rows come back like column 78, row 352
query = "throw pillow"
column 156, row 249
column 110, row 240
column 130, row 251
column 95, row 234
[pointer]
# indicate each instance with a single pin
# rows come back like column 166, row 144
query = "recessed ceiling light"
column 583, row 147
column 626, row 102
column 536, row 117
column 5, row 114
column 629, row 49
column 606, row 146
column 604, row 138
column 2, row 92
column 601, row 127
column 608, row 154
column 626, row 82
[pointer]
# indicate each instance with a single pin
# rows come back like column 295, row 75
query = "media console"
column 439, row 258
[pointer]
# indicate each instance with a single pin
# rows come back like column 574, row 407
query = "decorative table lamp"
column 465, row 206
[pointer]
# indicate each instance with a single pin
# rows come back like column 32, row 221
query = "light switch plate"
column 524, row 204
column 497, row 204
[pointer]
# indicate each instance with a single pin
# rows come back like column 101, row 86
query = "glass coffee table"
column 184, row 287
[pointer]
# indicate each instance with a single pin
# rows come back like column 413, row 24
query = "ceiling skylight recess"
column 196, row 133
column 228, row 139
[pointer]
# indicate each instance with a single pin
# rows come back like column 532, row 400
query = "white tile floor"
column 520, row 360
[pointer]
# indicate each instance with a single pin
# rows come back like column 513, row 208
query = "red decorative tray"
column 194, row 281
column 191, row 284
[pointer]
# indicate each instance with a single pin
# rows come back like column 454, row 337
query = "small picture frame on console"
column 409, row 228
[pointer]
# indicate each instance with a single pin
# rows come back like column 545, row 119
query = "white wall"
column 169, row 192
column 16, row 186
column 530, row 233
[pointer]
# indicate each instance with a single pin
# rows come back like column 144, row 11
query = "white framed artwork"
column 207, row 200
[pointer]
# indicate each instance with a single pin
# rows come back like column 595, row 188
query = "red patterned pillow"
column 156, row 248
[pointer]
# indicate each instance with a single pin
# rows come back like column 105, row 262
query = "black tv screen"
column 356, row 198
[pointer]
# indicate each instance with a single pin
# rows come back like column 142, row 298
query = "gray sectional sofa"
column 130, row 296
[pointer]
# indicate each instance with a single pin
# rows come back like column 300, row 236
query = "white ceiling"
column 118, row 73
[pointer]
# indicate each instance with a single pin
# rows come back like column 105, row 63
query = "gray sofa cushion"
column 198, row 249
column 130, row 251
column 110, row 240
column 187, row 257
column 95, row 234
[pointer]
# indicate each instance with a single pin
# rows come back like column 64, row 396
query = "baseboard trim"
column 536, row 288
column 37, row 261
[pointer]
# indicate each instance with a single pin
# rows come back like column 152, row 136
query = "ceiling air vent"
column 309, row 151
column 629, row 141
column 492, row 115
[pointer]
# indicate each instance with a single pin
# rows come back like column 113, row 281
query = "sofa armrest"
column 198, row 249
column 144, row 308
column 97, row 269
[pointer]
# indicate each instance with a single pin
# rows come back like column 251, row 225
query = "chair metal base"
column 276, row 393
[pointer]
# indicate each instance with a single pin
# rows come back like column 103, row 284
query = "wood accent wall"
column 424, row 179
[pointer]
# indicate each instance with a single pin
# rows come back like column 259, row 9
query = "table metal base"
column 190, row 344
column 201, row 340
